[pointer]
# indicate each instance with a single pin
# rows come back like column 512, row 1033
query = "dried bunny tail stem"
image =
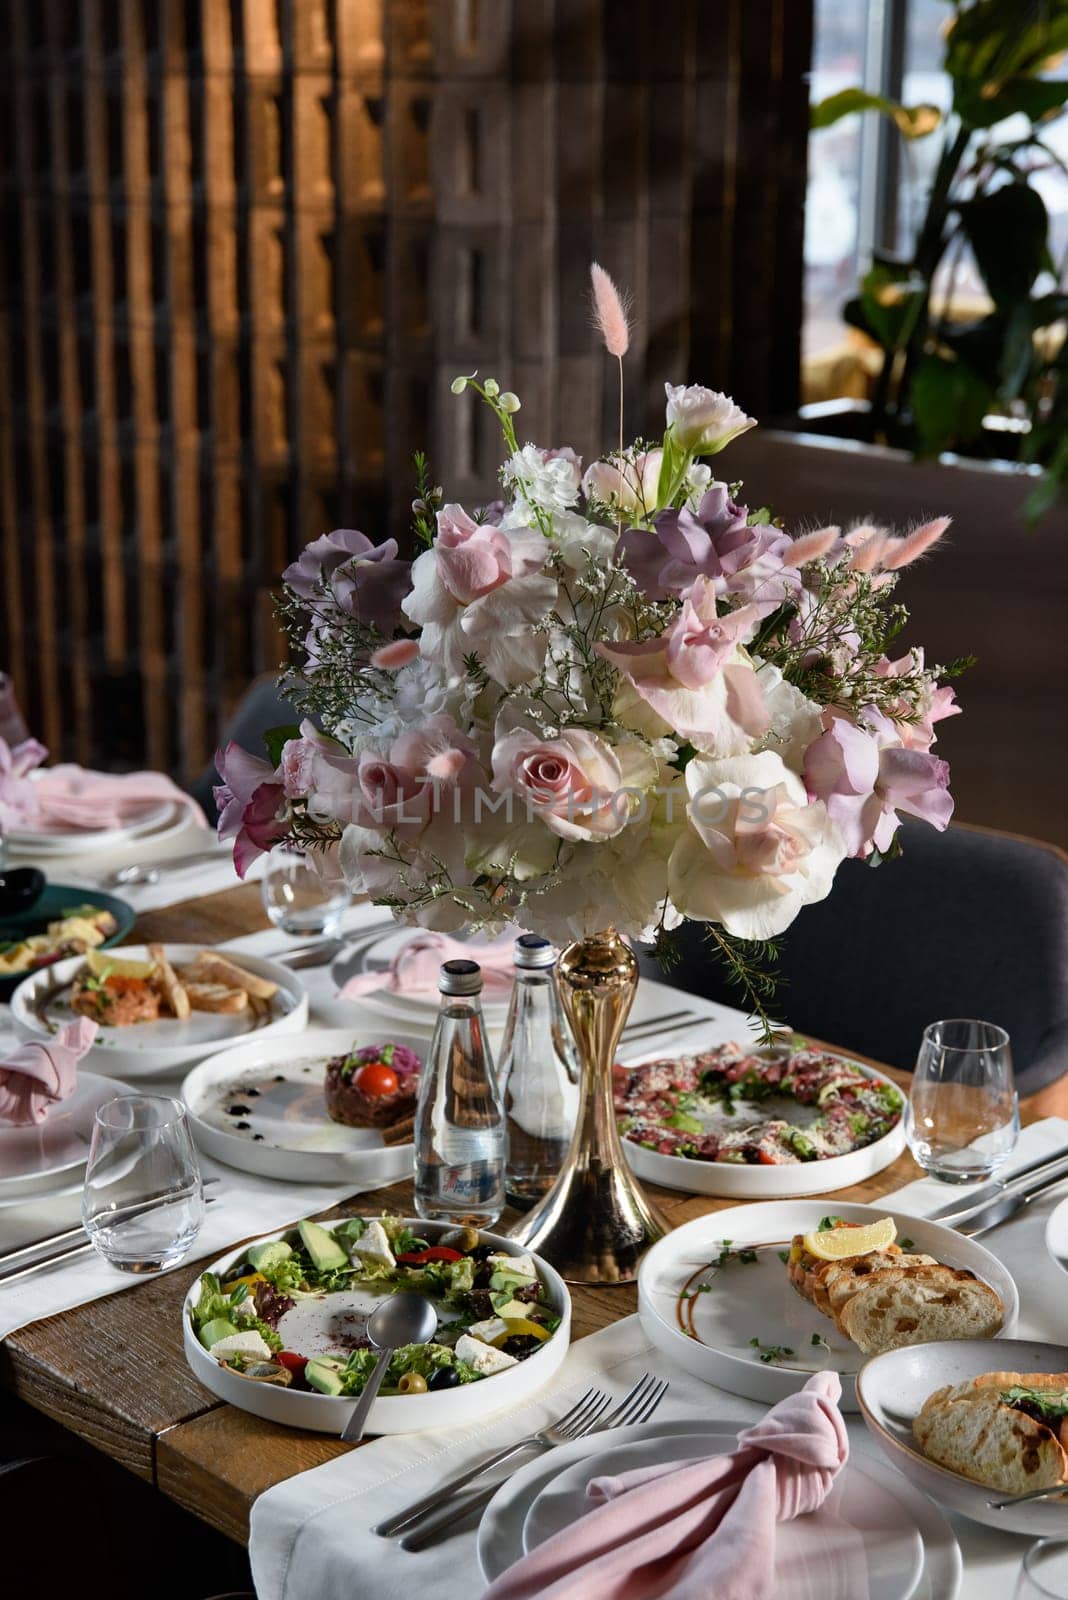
column 609, row 313
column 902, row 552
column 870, row 553
column 811, row 546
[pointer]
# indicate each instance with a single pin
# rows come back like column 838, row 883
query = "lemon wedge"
column 835, row 1244
column 100, row 962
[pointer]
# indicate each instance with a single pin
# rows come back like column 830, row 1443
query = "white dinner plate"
column 274, row 1089
column 892, row 1388
column 41, row 1003
column 1057, row 1235
column 142, row 818
column 742, row 1181
column 48, row 1157
column 374, row 951
column 706, row 1317
column 875, row 1536
column 443, row 1408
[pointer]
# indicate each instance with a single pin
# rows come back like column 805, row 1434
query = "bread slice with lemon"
column 883, row 1297
column 1002, row 1429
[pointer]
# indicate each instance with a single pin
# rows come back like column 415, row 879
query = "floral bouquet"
column 611, row 697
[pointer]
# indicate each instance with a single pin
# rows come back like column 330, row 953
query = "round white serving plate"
column 153, row 1049
column 143, row 819
column 891, row 1389
column 908, row 1548
column 1057, row 1235
column 46, row 1158
column 745, row 1182
column 445, row 1408
column 758, row 1301
column 374, row 951
column 298, row 1142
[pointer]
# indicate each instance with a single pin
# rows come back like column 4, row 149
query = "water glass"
column 1045, row 1572
column 962, row 1119
column 143, row 1201
column 304, row 891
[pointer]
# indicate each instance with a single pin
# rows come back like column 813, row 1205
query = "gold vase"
column 595, row 1224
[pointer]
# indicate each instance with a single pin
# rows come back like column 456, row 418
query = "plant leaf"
column 983, row 105
column 915, row 122
column 276, row 738
column 949, row 402
column 891, row 299
column 1007, row 230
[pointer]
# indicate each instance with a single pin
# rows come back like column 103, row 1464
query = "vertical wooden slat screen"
column 249, row 243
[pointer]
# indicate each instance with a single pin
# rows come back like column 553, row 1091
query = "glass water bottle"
column 459, row 1120
column 539, row 1075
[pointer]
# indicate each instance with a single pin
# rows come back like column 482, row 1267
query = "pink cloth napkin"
column 414, row 969
column 696, row 1530
column 68, row 796
column 36, row 1075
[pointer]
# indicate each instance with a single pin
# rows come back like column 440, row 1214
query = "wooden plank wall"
column 247, row 245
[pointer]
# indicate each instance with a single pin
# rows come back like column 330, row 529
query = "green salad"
column 276, row 1301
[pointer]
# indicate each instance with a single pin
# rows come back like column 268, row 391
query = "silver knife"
column 1017, row 1183
column 992, row 1215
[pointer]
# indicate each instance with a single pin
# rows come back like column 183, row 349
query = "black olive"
column 242, row 1125
column 481, row 1251
column 238, row 1111
column 444, row 1378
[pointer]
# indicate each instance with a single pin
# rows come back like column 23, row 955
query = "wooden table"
column 114, row 1371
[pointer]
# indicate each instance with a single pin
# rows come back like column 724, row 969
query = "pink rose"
column 866, row 775
column 570, row 782
column 629, row 486
column 403, row 786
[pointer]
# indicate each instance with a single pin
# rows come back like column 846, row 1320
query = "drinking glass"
column 304, row 891
column 143, row 1201
column 962, row 1119
column 1045, row 1572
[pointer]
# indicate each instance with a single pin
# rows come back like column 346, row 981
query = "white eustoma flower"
column 755, row 849
column 795, row 719
column 548, row 479
column 704, row 420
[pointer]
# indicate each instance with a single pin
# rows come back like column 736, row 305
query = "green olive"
column 412, row 1383
column 460, row 1239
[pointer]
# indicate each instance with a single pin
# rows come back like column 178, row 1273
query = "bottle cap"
column 460, row 977
column 531, row 950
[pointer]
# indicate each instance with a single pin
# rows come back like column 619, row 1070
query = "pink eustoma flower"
column 865, row 775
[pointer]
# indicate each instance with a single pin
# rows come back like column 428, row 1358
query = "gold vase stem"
column 595, row 1223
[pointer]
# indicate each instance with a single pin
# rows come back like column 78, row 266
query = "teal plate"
column 57, row 899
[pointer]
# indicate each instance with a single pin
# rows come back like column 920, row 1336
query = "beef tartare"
column 375, row 1086
column 738, row 1106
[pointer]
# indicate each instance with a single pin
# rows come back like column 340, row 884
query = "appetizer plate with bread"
column 335, row 1105
column 63, row 921
column 757, row 1124
column 757, row 1298
column 973, row 1422
column 160, row 1009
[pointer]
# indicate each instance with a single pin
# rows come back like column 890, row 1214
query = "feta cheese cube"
column 481, row 1356
column 373, row 1245
column 492, row 1328
column 244, row 1311
column 523, row 1266
column 248, row 1343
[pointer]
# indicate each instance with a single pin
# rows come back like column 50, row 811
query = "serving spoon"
column 405, row 1318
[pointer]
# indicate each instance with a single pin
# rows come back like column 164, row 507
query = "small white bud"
column 458, row 385
column 509, row 401
column 492, row 388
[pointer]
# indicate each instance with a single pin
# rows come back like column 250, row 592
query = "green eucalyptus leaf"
column 949, row 402
column 1007, row 230
column 915, row 122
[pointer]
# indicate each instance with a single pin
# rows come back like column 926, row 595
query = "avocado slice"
column 326, row 1254
column 503, row 1279
column 218, row 1328
column 262, row 1257
column 323, row 1375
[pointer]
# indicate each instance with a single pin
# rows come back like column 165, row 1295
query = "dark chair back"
column 968, row 923
column 260, row 709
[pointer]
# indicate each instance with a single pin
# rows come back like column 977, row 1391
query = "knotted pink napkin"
column 695, row 1530
column 68, row 796
column 414, row 969
column 35, row 1075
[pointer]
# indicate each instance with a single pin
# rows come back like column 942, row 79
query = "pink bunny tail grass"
column 609, row 313
column 869, row 555
column 811, row 546
column 902, row 552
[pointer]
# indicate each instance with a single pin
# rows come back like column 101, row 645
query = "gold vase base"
column 593, row 1227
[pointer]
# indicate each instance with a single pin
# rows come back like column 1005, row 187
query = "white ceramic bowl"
column 157, row 1049
column 757, row 1300
column 298, row 1140
column 735, row 1181
column 445, row 1408
column 891, row 1390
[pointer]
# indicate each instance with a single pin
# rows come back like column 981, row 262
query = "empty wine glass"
column 962, row 1119
column 1045, row 1572
column 304, row 891
column 143, row 1201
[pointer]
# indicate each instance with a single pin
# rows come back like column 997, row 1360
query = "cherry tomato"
column 412, row 1383
column 437, row 1252
column 290, row 1359
column 376, row 1080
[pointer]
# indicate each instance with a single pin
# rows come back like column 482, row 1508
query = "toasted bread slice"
column 846, row 1277
column 211, row 968
column 215, row 997
column 974, row 1434
column 167, row 981
column 895, row 1309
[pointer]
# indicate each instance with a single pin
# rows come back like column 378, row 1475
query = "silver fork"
column 1054, row 1492
column 636, row 1406
column 572, row 1425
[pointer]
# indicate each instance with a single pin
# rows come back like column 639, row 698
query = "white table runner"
column 310, row 1536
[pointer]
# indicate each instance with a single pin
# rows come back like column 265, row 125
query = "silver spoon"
column 401, row 1319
